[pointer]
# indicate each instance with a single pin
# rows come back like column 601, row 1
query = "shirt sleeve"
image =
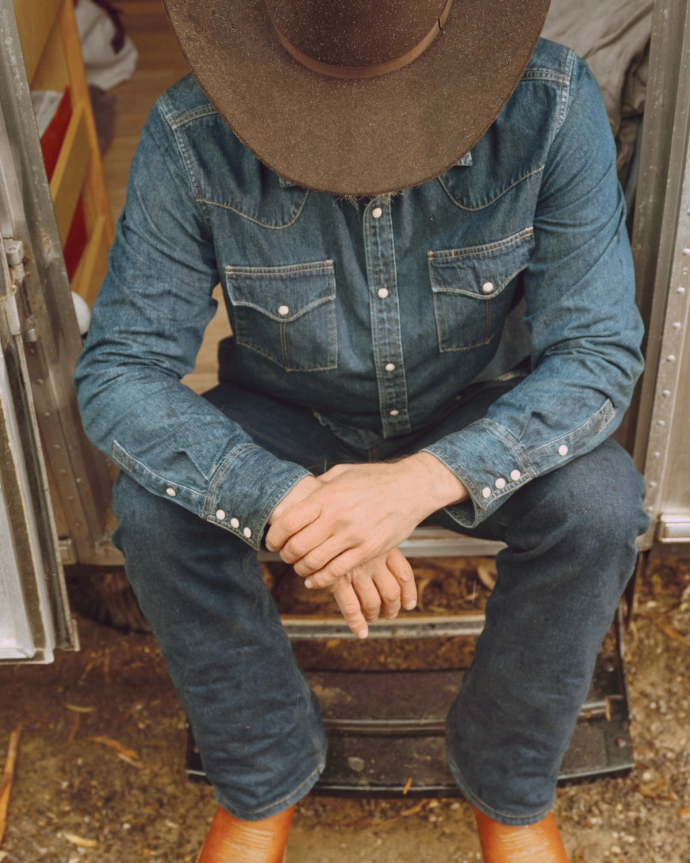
column 146, row 329
column 585, row 327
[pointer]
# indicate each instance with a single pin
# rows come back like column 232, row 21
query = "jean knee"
column 600, row 497
column 136, row 510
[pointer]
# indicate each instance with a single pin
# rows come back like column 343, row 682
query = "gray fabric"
column 613, row 37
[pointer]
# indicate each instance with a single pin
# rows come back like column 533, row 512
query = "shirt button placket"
column 385, row 312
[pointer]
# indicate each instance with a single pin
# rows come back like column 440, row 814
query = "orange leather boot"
column 529, row 843
column 231, row 840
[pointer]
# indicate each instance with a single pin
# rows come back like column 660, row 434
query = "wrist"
column 299, row 491
column 442, row 485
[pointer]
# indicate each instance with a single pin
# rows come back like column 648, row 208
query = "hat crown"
column 355, row 32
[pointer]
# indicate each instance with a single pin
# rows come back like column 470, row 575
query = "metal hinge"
column 9, row 304
column 673, row 528
column 14, row 252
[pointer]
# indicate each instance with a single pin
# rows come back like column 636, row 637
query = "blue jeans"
column 571, row 551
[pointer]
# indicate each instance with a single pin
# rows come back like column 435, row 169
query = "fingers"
column 399, row 565
column 312, row 547
column 349, row 606
column 367, row 593
column 340, row 566
column 388, row 590
column 318, row 559
column 294, row 520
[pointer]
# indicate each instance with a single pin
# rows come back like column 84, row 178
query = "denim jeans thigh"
column 570, row 538
column 254, row 718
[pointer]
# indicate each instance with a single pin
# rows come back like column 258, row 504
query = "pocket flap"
column 481, row 271
column 282, row 293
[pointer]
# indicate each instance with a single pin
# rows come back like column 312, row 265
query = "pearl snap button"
column 390, row 367
column 394, row 412
column 500, row 482
column 234, row 522
column 515, row 475
column 283, row 310
column 171, row 492
column 377, row 212
column 247, row 532
column 486, row 492
column 563, row 450
column 220, row 514
column 488, row 287
column 383, row 293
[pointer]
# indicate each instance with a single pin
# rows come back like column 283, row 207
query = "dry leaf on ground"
column 413, row 811
column 116, row 746
column 129, row 760
column 80, row 841
column 8, row 776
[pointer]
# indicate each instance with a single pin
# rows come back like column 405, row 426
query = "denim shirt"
column 374, row 316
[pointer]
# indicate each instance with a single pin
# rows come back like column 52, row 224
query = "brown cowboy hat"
column 358, row 97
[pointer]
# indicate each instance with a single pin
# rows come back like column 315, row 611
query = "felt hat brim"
column 358, row 136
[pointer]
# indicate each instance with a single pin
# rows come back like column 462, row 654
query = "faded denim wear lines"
column 374, row 318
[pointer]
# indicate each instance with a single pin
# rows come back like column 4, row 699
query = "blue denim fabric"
column 571, row 537
column 375, row 317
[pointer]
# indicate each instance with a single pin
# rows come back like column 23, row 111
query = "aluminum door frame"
column 661, row 249
column 82, row 479
column 34, row 610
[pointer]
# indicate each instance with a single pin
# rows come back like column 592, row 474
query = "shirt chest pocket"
column 286, row 314
column 472, row 289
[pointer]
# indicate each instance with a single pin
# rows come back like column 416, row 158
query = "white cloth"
column 104, row 68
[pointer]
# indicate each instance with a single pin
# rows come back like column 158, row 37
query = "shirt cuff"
column 489, row 462
column 246, row 488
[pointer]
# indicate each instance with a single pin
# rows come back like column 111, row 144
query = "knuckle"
column 369, row 547
column 295, row 549
column 290, row 521
column 312, row 561
column 350, row 608
column 337, row 570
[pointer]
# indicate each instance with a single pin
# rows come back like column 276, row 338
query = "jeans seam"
column 314, row 772
column 467, row 790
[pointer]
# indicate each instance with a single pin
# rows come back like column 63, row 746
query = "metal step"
column 301, row 627
column 386, row 728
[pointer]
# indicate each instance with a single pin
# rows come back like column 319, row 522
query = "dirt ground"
column 101, row 756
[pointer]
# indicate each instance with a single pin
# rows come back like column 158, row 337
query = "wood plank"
column 98, row 197
column 70, row 170
column 205, row 374
column 34, row 22
column 93, row 265
column 51, row 72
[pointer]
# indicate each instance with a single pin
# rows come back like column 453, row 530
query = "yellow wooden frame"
column 52, row 57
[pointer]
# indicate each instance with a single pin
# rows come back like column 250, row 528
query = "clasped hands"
column 342, row 531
